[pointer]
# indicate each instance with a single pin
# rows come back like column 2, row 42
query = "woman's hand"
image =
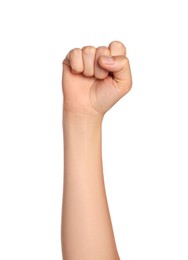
column 94, row 79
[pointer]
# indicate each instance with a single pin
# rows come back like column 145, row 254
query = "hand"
column 94, row 79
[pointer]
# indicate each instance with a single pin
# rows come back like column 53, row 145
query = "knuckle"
column 102, row 49
column 76, row 68
column 125, row 61
column 88, row 73
column 88, row 49
column 75, row 59
column 74, row 52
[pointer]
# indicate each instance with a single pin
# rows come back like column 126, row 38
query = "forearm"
column 86, row 226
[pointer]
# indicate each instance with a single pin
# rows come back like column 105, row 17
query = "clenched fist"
column 94, row 79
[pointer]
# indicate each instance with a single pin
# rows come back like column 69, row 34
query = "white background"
column 145, row 143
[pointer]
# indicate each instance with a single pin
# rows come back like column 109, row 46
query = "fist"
column 94, row 79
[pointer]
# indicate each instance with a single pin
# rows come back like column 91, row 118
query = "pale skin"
column 91, row 86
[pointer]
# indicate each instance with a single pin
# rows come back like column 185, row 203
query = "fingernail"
column 108, row 60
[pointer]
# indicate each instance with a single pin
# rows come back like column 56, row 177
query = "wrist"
column 81, row 130
column 81, row 118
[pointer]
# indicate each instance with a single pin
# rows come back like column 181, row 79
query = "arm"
column 87, row 232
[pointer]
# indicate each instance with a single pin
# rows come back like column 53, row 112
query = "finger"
column 101, row 73
column 88, row 54
column 120, row 67
column 117, row 48
column 75, row 60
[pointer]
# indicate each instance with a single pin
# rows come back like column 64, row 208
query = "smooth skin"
column 93, row 80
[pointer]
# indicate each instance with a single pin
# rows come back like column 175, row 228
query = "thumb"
column 120, row 68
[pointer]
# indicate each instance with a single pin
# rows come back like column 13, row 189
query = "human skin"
column 91, row 85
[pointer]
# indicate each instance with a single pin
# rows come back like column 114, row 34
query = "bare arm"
column 87, row 232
